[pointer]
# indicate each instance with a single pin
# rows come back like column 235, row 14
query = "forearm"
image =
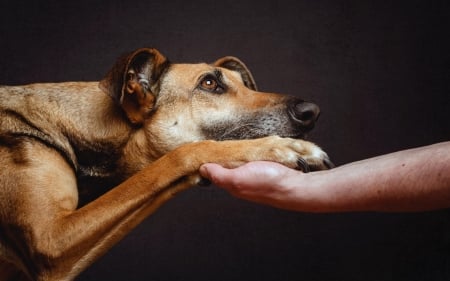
column 409, row 180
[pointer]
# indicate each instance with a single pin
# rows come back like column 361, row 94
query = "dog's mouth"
column 250, row 131
column 301, row 135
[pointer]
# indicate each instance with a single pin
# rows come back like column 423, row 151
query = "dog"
column 82, row 163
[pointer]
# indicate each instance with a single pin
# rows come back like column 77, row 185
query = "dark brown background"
column 379, row 71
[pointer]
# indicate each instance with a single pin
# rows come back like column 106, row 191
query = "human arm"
column 409, row 180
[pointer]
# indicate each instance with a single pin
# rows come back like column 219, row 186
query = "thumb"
column 216, row 174
column 208, row 170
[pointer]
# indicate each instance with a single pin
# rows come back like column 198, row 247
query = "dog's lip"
column 295, row 136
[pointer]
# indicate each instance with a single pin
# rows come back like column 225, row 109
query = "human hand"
column 407, row 180
column 260, row 181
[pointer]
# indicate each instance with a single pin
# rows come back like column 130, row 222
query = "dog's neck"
column 112, row 147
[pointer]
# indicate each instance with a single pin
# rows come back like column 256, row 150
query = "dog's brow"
column 218, row 74
column 224, row 81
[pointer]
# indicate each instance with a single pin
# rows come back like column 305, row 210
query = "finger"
column 217, row 174
column 209, row 169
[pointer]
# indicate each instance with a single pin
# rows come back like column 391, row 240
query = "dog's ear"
column 133, row 82
column 237, row 65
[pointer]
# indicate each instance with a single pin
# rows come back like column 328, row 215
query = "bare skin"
column 405, row 181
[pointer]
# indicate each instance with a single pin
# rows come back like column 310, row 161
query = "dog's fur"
column 81, row 165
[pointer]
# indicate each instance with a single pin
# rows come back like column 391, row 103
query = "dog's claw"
column 327, row 162
column 303, row 165
column 313, row 166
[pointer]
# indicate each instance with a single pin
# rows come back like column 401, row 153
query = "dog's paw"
column 315, row 163
column 298, row 154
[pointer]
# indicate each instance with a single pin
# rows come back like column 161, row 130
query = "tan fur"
column 142, row 137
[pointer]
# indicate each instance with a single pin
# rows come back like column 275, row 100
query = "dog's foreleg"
column 56, row 241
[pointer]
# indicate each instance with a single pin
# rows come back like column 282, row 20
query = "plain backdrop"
column 380, row 71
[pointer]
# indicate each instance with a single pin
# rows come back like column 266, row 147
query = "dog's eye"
column 210, row 84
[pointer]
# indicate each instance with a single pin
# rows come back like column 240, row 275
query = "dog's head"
column 180, row 103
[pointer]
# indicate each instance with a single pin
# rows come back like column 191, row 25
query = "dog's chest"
column 97, row 171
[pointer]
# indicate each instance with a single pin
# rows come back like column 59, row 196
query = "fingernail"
column 204, row 171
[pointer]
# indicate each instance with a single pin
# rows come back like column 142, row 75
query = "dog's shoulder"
column 63, row 116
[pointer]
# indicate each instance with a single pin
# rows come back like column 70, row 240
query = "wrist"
column 306, row 192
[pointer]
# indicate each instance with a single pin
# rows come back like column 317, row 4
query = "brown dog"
column 145, row 133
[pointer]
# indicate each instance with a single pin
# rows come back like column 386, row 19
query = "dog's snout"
column 305, row 114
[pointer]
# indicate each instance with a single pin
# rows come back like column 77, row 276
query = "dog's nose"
column 303, row 113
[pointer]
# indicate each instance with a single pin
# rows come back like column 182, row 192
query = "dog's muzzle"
column 303, row 114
